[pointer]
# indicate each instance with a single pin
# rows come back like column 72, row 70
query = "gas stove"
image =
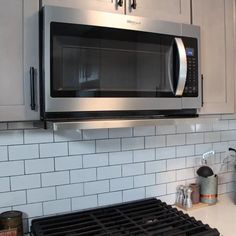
column 150, row 217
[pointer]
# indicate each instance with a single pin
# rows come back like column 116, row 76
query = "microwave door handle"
column 182, row 67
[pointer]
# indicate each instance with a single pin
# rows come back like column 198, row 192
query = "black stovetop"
column 149, row 217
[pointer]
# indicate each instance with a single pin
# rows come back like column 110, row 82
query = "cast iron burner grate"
column 149, row 217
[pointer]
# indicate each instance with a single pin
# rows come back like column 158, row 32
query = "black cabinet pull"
column 32, row 89
column 120, row 3
column 202, row 89
column 134, row 4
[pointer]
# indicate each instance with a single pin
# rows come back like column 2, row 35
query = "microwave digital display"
column 190, row 52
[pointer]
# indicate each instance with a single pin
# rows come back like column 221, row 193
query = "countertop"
column 221, row 216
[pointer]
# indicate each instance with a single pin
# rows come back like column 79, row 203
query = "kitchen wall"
column 44, row 172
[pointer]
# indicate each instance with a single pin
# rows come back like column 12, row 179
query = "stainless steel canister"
column 208, row 189
column 12, row 220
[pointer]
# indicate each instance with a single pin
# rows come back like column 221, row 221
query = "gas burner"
column 149, row 217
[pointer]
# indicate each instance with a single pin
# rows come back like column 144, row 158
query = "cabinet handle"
column 32, row 89
column 120, row 3
column 202, row 88
column 134, row 4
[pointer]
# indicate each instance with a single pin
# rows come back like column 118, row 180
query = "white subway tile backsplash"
column 221, row 146
column 3, row 126
column 81, row 147
column 165, row 129
column 58, row 206
column 116, row 158
column 3, row 153
column 120, row 132
column 39, row 165
column 175, row 139
column 212, row 137
column 194, row 138
column 156, row 190
column 133, row 169
column 108, row 145
column 193, row 161
column 84, row 202
column 38, row 136
column 165, row 153
column 96, row 187
column 53, row 149
column 203, row 127
column 4, row 184
column 174, row 164
column 232, row 124
column 25, row 182
column 172, row 187
column 144, row 130
column 184, row 151
column 109, row 198
column 185, row 128
column 55, row 178
column 95, row 134
column 144, row 180
column 133, row 194
column 185, row 174
column 155, row 166
column 11, row 168
column 202, row 148
column 83, row 175
column 221, row 125
column 95, row 160
column 12, row 198
column 20, row 125
column 68, row 163
column 165, row 177
column 132, row 143
column 70, row 190
column 84, row 169
column 144, row 155
column 41, row 194
column 20, row 152
column 228, row 135
column 169, row 199
column 109, row 172
column 11, row 137
column 155, row 141
column 67, row 135
column 121, row 183
column 30, row 210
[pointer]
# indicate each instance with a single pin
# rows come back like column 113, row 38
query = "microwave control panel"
column 191, row 86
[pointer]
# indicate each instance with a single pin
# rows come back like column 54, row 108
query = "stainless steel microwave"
column 102, row 65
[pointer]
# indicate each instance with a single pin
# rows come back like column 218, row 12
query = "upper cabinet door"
column 114, row 6
column 15, row 28
column 167, row 10
column 216, row 19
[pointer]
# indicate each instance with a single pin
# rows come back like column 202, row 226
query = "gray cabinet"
column 216, row 19
column 167, row 10
column 18, row 51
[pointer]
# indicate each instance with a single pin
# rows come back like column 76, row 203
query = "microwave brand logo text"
column 134, row 22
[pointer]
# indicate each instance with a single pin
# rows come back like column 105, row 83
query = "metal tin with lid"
column 12, row 220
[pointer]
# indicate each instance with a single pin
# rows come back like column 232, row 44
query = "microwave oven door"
column 106, row 62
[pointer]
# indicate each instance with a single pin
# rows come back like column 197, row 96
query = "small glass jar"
column 195, row 196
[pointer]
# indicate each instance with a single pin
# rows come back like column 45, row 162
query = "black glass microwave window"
column 90, row 61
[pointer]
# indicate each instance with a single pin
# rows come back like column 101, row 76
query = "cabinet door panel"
column 168, row 10
column 11, row 53
column 18, row 51
column 216, row 20
column 98, row 5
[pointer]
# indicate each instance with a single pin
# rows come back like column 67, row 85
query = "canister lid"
column 11, row 214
